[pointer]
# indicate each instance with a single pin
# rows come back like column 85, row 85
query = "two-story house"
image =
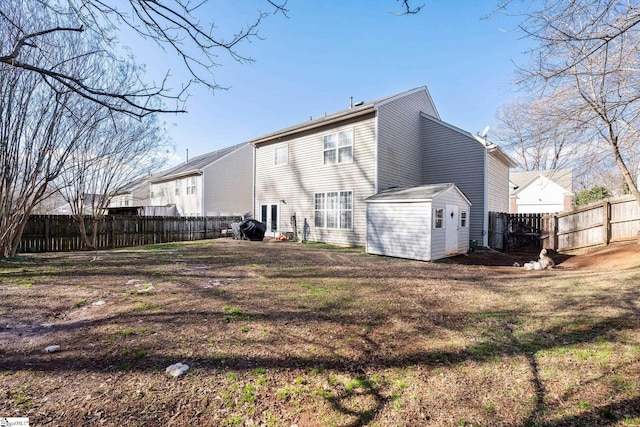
column 216, row 183
column 317, row 174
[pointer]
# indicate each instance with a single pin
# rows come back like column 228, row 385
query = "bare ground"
column 284, row 334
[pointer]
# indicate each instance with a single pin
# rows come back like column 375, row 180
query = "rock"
column 52, row 348
column 177, row 369
column 98, row 303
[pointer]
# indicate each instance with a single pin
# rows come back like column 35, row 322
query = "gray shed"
column 425, row 223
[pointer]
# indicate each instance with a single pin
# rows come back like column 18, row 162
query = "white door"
column 269, row 216
column 451, row 229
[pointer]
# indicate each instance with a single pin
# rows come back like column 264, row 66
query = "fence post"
column 606, row 222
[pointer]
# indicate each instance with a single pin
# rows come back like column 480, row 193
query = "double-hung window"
column 338, row 147
column 176, row 185
column 191, row 185
column 334, row 210
column 281, row 155
column 463, row 219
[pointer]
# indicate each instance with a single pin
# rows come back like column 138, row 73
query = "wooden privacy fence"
column 52, row 233
column 610, row 221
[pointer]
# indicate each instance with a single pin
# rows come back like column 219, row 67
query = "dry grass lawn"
column 289, row 334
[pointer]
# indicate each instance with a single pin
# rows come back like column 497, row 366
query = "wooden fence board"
column 613, row 220
column 57, row 233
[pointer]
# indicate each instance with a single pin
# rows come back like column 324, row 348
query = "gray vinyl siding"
column 228, row 184
column 450, row 156
column 399, row 140
column 293, row 186
column 498, row 185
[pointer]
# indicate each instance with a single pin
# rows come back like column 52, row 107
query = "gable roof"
column 359, row 109
column 197, row 164
column 490, row 146
column 562, row 177
column 421, row 193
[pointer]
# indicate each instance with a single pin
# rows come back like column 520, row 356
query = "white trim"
column 376, row 141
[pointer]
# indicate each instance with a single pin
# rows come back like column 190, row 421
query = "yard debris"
column 100, row 302
column 226, row 282
column 516, row 264
column 132, row 281
column 177, row 369
column 148, row 287
column 47, row 325
column 52, row 348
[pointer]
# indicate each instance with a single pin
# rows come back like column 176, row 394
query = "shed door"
column 451, row 229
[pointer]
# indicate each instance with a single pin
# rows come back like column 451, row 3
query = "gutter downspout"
column 253, row 197
column 485, row 208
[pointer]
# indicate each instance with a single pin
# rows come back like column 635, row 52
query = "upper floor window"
column 281, row 155
column 176, row 185
column 191, row 185
column 338, row 147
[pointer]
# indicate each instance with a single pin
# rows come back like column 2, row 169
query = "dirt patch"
column 284, row 334
column 621, row 256
column 614, row 257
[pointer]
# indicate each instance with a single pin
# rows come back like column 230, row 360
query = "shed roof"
column 421, row 193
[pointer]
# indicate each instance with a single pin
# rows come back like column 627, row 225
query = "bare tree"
column 175, row 25
column 36, row 137
column 117, row 150
column 587, row 52
column 537, row 136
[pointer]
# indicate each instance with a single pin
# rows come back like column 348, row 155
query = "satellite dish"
column 485, row 132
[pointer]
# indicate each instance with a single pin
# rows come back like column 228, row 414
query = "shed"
column 425, row 223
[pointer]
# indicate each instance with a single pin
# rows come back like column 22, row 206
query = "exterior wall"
column 138, row 196
column 292, row 187
column 120, row 200
column 399, row 140
column 541, row 196
column 228, row 184
column 498, row 185
column 186, row 204
column 406, row 229
column 449, row 156
column 438, row 242
column 401, row 230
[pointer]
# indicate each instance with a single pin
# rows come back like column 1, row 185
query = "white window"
column 334, row 210
column 191, row 185
column 338, row 147
column 176, row 185
column 438, row 216
column 463, row 219
column 281, row 155
column 319, row 210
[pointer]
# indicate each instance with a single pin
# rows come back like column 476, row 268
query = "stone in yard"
column 177, row 369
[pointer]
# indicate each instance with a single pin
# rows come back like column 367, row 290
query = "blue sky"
column 326, row 51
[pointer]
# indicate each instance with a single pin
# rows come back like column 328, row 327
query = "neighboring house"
column 134, row 194
column 542, row 191
column 217, row 183
column 317, row 174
